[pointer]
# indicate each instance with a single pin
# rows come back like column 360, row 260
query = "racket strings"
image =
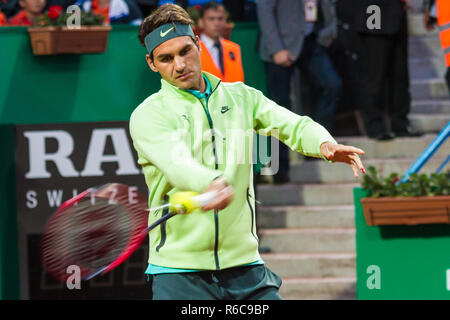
column 97, row 239
column 93, row 231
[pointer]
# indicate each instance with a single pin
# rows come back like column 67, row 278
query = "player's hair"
column 210, row 5
column 168, row 13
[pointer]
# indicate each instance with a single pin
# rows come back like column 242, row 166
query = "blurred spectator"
column 293, row 35
column 147, row 6
column 114, row 11
column 63, row 3
column 2, row 19
column 9, row 7
column 219, row 56
column 29, row 14
column 241, row 10
column 385, row 74
column 345, row 55
column 438, row 11
column 185, row 3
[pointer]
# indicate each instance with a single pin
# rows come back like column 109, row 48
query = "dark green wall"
column 90, row 87
column 412, row 260
column 9, row 260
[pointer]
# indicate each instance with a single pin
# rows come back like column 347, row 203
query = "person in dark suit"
column 294, row 34
column 383, row 33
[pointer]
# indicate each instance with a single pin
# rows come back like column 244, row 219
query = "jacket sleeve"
column 156, row 142
column 268, row 25
column 300, row 133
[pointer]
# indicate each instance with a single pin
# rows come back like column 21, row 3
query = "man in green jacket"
column 196, row 134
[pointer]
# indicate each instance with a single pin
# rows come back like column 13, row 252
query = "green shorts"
column 239, row 283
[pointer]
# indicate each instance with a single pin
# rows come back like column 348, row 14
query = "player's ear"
column 197, row 42
column 150, row 63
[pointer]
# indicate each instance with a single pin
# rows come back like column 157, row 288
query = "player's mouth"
column 184, row 76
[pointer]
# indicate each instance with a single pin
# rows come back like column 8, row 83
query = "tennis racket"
column 101, row 227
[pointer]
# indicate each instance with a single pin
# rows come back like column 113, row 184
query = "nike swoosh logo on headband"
column 163, row 34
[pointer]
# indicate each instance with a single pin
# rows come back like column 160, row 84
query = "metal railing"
column 428, row 153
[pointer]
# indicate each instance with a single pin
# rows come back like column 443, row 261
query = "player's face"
column 213, row 22
column 178, row 62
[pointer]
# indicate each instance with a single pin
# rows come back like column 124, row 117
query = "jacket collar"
column 168, row 88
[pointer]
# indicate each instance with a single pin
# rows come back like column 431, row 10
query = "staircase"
column 308, row 225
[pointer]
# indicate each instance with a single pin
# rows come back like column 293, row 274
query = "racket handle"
column 204, row 198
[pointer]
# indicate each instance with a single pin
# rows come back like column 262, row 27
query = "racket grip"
column 204, row 198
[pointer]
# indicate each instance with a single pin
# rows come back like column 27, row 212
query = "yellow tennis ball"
column 182, row 202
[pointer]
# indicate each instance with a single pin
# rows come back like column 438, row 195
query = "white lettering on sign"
column 31, row 202
column 38, row 156
column 123, row 155
column 54, row 197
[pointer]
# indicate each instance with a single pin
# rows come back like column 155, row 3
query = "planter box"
column 406, row 210
column 55, row 40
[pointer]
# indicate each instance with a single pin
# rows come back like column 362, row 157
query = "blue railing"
column 429, row 152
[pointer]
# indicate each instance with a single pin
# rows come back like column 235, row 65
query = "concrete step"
column 318, row 288
column 314, row 265
column 425, row 68
column 306, row 194
column 430, row 106
column 416, row 27
column 323, row 172
column 398, row 148
column 425, row 47
column 428, row 89
column 305, row 216
column 429, row 123
column 308, row 240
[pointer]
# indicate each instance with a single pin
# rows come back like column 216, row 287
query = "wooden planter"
column 55, row 40
column 406, row 210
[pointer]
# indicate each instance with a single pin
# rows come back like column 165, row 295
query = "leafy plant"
column 417, row 185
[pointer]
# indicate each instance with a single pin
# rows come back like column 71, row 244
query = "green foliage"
column 417, row 185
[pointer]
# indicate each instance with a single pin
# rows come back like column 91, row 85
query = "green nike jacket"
column 183, row 143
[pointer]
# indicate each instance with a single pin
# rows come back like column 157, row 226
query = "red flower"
column 54, row 11
column 198, row 7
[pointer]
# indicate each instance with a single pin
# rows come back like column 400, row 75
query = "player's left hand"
column 346, row 154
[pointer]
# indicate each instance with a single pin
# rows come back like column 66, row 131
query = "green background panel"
column 91, row 87
column 412, row 259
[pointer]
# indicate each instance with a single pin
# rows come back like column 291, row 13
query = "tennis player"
column 185, row 139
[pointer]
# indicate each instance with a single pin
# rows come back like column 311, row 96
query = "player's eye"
column 166, row 58
column 185, row 51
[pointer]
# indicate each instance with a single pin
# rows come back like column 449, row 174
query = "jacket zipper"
column 163, row 225
column 252, row 213
column 216, row 166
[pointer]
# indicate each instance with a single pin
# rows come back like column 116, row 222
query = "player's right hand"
column 224, row 196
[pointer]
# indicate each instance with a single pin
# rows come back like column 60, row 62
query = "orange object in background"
column 20, row 19
column 103, row 11
column 232, row 62
column 443, row 17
